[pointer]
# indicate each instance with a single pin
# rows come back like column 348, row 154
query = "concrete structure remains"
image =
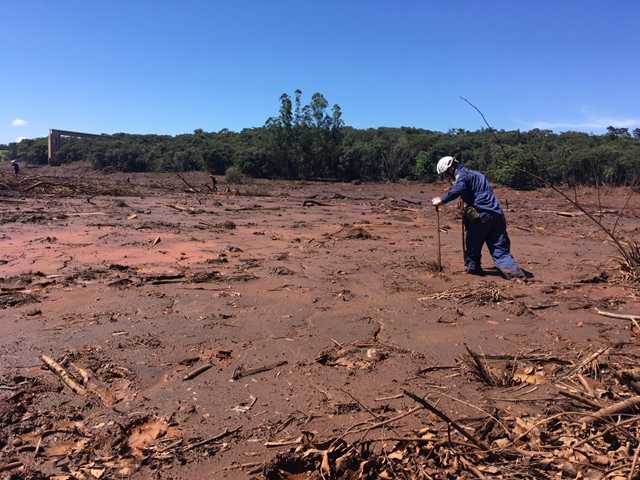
column 54, row 142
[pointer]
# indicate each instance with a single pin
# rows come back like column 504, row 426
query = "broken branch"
column 448, row 420
column 197, row 371
column 62, row 373
column 628, row 405
column 633, row 318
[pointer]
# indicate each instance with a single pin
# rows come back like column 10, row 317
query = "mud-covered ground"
column 153, row 328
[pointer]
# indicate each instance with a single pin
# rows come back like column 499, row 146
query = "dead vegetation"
column 238, row 306
column 590, row 428
column 12, row 185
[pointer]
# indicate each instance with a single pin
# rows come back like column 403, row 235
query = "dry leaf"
column 64, row 448
column 533, row 379
column 146, row 434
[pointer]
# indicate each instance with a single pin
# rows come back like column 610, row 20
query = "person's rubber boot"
column 476, row 271
column 513, row 274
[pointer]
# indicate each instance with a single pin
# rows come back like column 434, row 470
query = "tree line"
column 312, row 142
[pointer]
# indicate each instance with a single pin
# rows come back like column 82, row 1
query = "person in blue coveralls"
column 483, row 218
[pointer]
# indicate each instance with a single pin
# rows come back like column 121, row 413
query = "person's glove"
column 436, row 201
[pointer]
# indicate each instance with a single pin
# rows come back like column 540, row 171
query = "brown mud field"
column 153, row 328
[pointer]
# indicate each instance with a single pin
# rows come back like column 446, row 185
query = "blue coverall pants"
column 490, row 228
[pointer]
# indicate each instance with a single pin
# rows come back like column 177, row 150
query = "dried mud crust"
column 154, row 329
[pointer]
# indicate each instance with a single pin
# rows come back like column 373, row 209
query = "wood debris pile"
column 57, row 186
column 589, row 428
column 481, row 295
column 628, row 271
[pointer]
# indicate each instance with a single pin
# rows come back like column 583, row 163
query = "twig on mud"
column 241, row 372
column 377, row 417
column 634, row 463
column 633, row 318
column 575, row 396
column 483, row 372
column 435, row 367
column 585, row 362
column 392, row 397
column 378, row 425
column 242, row 465
column 285, row 443
column 10, row 466
column 308, row 203
column 211, row 440
column 469, row 466
column 197, row 371
column 62, row 373
column 448, row 420
column 492, row 417
column 181, row 208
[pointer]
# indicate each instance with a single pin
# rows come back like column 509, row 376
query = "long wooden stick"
column 438, row 237
column 448, row 420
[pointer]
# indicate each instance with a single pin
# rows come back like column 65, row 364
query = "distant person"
column 483, row 218
column 214, row 186
column 16, row 167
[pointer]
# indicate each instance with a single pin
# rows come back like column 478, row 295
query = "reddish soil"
column 311, row 307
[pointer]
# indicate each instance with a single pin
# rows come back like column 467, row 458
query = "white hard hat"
column 443, row 165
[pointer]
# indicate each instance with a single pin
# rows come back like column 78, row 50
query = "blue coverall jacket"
column 489, row 228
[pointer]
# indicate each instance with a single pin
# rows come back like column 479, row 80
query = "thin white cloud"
column 19, row 139
column 19, row 122
column 589, row 124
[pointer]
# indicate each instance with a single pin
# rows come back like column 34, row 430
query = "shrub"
column 233, row 175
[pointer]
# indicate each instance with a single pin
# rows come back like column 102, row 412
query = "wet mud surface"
column 168, row 331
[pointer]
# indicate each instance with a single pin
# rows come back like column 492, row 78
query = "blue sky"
column 171, row 67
